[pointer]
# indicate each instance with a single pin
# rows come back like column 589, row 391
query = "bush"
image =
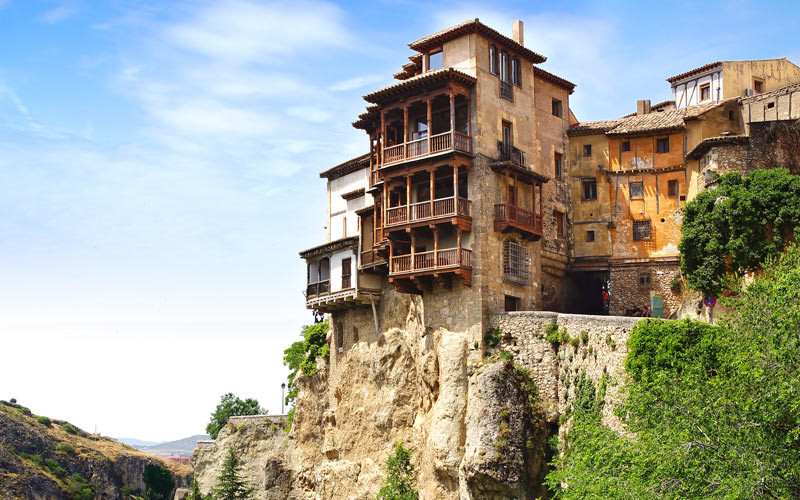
column 158, row 482
column 13, row 401
column 77, row 488
column 55, row 468
column 584, row 337
column 551, row 333
column 65, row 448
column 492, row 337
column 44, row 421
column 69, row 429
column 230, row 406
column 289, row 420
column 400, row 480
column 676, row 284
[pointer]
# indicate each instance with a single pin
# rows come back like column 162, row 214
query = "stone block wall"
column 599, row 348
column 627, row 291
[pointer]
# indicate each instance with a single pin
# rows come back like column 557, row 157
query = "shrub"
column 505, row 356
column 65, row 448
column 551, row 333
column 33, row 457
column 492, row 337
column 584, row 337
column 289, row 420
column 400, row 480
column 77, row 488
column 302, row 355
column 44, row 421
column 13, row 401
column 55, row 468
column 69, row 428
column 676, row 284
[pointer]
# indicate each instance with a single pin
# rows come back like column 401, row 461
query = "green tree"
column 77, row 488
column 230, row 483
column 715, row 410
column 230, row 406
column 731, row 229
column 194, row 492
column 158, row 482
column 400, row 482
column 302, row 356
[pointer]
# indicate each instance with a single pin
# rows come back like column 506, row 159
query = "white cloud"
column 58, row 14
column 309, row 113
column 356, row 82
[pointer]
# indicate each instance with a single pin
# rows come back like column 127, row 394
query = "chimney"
column 518, row 32
column 643, row 107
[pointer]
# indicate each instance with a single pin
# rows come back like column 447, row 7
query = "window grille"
column 645, row 279
column 642, row 230
column 516, row 263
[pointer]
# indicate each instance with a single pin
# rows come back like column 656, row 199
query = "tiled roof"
column 591, row 128
column 550, row 77
column 662, row 104
column 329, row 247
column 721, row 140
column 792, row 87
column 431, row 77
column 411, row 68
column 474, row 26
column 347, row 167
column 695, row 71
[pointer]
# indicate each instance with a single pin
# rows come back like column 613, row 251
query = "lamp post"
column 283, row 387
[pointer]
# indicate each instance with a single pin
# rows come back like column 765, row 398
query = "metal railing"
column 510, row 153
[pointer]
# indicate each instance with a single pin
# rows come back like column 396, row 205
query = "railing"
column 433, row 260
column 443, row 207
column 370, row 257
column 510, row 153
column 346, row 282
column 427, row 145
column 318, row 288
column 506, row 91
column 505, row 213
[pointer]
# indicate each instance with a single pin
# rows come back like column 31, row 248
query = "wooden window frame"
column 347, row 277
column 630, row 190
column 586, row 182
column 557, row 108
column 705, row 89
column 494, row 60
column 659, row 142
column 587, row 150
column 758, row 85
column 677, row 187
column 558, row 165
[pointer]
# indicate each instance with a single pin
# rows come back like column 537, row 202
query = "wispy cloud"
column 356, row 82
column 59, row 14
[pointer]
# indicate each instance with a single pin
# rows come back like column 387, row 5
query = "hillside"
column 55, row 460
column 180, row 448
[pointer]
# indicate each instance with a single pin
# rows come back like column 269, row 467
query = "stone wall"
column 628, row 291
column 775, row 144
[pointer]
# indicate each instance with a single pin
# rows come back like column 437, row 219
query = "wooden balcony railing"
column 506, row 214
column 427, row 146
column 371, row 257
column 506, row 91
column 510, row 153
column 434, row 260
column 424, row 210
column 318, row 288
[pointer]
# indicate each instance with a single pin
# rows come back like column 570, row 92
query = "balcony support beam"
column 452, row 118
column 432, row 186
column 429, row 103
column 405, row 131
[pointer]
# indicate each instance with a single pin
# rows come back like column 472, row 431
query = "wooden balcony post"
column 383, row 136
column 455, row 185
column 408, row 198
column 541, row 195
column 435, row 241
column 430, row 123
column 431, row 191
column 533, row 200
column 384, row 205
column 452, row 119
column 458, row 246
column 405, row 131
column 413, row 244
column 508, row 188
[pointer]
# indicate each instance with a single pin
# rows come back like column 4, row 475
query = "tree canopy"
column 230, row 406
column 302, row 356
column 715, row 410
column 734, row 227
column 400, row 480
column 230, row 483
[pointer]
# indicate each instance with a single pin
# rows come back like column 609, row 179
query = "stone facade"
column 634, row 285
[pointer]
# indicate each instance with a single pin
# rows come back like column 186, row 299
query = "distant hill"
column 137, row 443
column 180, row 448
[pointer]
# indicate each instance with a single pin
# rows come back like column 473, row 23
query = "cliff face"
column 37, row 461
column 465, row 414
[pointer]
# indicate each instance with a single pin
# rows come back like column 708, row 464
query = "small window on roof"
column 435, row 60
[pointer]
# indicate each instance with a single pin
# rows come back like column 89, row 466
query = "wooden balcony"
column 318, row 288
column 433, row 263
column 427, row 146
column 371, row 258
column 426, row 211
column 507, row 217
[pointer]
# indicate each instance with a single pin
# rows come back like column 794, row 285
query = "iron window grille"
column 516, row 263
column 642, row 230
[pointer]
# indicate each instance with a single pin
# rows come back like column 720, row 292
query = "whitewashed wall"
column 686, row 92
column 340, row 209
column 336, row 269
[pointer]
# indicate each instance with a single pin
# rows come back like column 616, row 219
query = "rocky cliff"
column 477, row 422
column 44, row 461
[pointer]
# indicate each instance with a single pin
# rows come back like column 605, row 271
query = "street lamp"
column 283, row 387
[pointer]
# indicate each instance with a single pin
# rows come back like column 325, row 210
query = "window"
column 705, row 92
column 590, row 235
column 559, row 223
column 730, row 115
column 626, row 146
column 515, row 262
column 672, row 188
column 436, row 60
column 771, row 105
column 662, row 145
column 587, row 150
column 557, row 108
column 516, row 72
column 508, row 136
column 758, row 85
column 494, row 61
column 505, row 70
column 558, row 159
column 512, row 303
column 347, row 269
column 642, row 230
column 589, row 189
column 636, row 190
column 644, row 278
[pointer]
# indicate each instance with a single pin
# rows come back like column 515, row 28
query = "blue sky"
column 159, row 172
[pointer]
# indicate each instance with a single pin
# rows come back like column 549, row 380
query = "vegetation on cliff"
column 230, row 406
column 302, row 356
column 400, row 483
column 231, row 484
column 715, row 410
column 733, row 228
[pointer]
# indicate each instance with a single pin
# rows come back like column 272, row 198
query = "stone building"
column 462, row 199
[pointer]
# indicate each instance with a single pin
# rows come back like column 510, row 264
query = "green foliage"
column 735, row 227
column 158, row 482
column 504, row 356
column 715, row 410
column 584, row 337
column 13, row 401
column 194, row 492
column 44, row 421
column 230, row 406
column 230, row 483
column 551, row 333
column 493, row 336
column 55, row 468
column 126, row 491
column 302, row 356
column 289, row 419
column 77, row 488
column 676, row 284
column 400, row 481
column 33, row 457
column 69, row 428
